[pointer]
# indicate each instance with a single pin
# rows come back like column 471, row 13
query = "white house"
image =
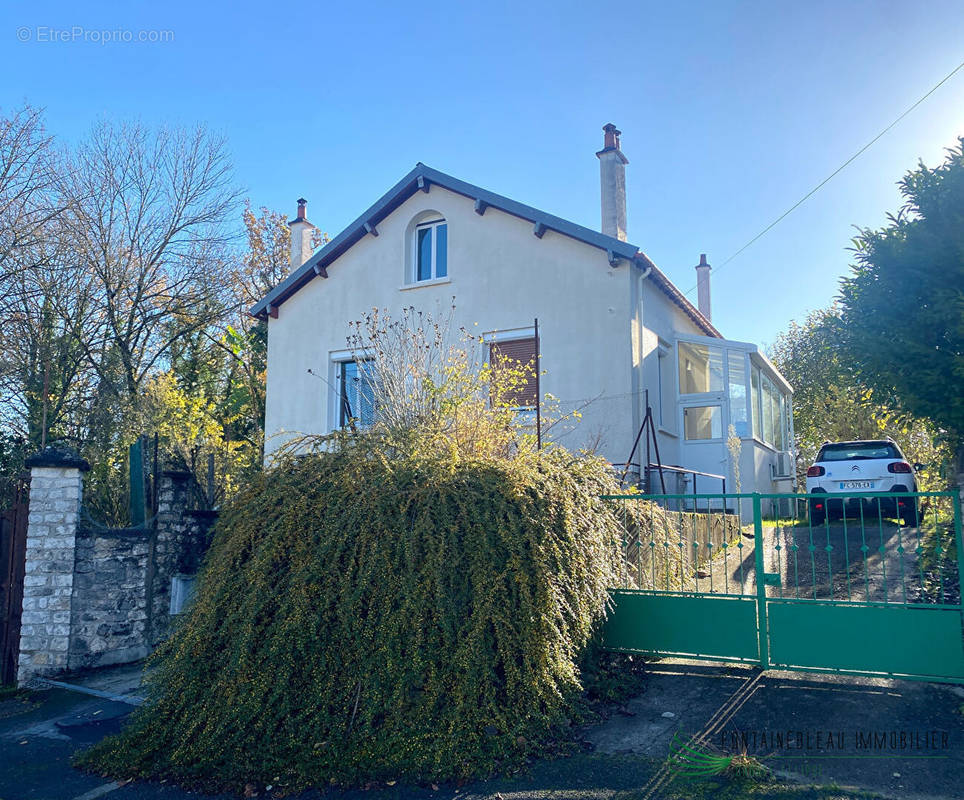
column 613, row 329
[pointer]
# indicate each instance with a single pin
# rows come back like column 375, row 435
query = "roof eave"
column 669, row 289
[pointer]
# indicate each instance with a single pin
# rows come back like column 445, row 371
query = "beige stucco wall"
column 502, row 277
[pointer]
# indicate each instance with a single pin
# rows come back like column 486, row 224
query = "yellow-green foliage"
column 362, row 618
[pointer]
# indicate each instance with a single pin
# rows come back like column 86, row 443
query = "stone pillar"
column 173, row 500
column 56, row 490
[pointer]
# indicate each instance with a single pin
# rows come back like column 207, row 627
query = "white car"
column 850, row 469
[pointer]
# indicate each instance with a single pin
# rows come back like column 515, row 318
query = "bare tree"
column 46, row 307
column 38, row 357
column 149, row 211
column 29, row 196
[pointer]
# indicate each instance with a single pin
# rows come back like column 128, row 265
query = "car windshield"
column 857, row 452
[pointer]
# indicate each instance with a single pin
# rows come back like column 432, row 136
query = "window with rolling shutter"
column 518, row 352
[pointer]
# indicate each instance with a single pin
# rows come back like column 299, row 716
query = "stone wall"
column 96, row 596
column 182, row 540
column 109, row 619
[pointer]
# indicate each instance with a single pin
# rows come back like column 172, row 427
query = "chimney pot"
column 611, row 137
column 301, row 208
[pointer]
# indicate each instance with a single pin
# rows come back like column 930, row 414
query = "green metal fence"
column 872, row 588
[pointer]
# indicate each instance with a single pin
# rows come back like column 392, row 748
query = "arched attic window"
column 427, row 248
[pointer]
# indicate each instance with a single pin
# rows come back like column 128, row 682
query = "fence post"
column 761, row 588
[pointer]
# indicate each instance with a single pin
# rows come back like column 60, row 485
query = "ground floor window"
column 356, row 393
column 665, row 386
column 770, row 409
column 702, row 422
column 700, row 368
column 515, row 353
column 755, row 402
column 736, row 389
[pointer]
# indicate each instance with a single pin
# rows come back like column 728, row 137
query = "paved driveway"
column 841, row 561
column 794, row 724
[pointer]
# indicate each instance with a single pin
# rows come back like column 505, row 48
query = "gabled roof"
column 423, row 177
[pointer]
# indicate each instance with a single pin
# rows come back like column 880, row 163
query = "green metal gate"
column 749, row 578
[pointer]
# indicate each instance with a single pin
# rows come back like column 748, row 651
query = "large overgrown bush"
column 364, row 619
column 413, row 601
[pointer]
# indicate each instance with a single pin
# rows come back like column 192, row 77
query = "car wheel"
column 885, row 509
column 817, row 515
column 910, row 514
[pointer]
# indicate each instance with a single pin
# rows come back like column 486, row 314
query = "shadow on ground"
column 738, row 710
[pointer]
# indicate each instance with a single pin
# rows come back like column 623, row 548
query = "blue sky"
column 730, row 112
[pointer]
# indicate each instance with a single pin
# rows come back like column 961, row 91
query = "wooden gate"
column 13, row 548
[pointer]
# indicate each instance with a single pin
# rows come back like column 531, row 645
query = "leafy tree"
column 14, row 450
column 902, row 308
column 829, row 404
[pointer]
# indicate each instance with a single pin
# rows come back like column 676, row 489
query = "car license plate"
column 856, row 484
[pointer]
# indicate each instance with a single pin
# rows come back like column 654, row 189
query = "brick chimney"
column 301, row 231
column 612, row 179
column 703, row 287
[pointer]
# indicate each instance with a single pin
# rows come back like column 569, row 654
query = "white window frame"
column 336, row 359
column 756, row 364
column 432, row 224
column 666, row 358
column 747, row 392
column 709, row 346
column 717, row 404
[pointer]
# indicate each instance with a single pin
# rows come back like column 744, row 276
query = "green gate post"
column 761, row 587
column 959, row 538
column 957, row 530
column 138, row 499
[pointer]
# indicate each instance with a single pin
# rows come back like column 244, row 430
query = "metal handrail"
column 684, row 471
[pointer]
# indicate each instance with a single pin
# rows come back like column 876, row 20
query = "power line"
column 836, row 172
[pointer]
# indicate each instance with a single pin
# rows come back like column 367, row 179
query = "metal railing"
column 869, row 548
column 650, row 468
